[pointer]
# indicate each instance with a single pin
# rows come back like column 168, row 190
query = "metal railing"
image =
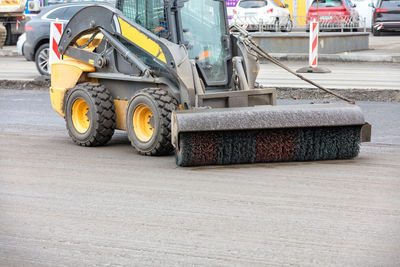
column 251, row 23
column 300, row 23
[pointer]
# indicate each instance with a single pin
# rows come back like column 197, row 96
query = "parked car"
column 272, row 14
column 36, row 46
column 386, row 16
column 334, row 14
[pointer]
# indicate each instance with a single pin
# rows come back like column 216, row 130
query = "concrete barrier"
column 328, row 43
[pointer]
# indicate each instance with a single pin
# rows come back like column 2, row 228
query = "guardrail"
column 300, row 23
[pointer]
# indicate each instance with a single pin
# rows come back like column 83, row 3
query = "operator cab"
column 199, row 25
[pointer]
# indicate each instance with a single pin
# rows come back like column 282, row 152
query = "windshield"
column 253, row 3
column 390, row 3
column 327, row 3
column 204, row 32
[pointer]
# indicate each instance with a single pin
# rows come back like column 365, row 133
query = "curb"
column 379, row 95
column 8, row 53
column 43, row 83
column 336, row 58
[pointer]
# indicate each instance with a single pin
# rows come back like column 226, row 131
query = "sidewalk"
column 384, row 48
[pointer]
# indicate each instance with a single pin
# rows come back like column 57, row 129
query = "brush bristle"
column 270, row 145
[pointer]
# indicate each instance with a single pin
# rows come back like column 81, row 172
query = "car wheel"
column 42, row 59
column 356, row 26
column 8, row 34
column 375, row 32
column 11, row 39
column 276, row 26
column 3, row 35
column 288, row 27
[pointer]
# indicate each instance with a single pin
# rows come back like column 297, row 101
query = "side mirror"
column 34, row 6
column 354, row 5
column 286, row 5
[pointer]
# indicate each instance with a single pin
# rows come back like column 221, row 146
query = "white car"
column 270, row 14
column 20, row 44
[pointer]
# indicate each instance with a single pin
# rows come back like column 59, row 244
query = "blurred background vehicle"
column 334, row 14
column 14, row 14
column 36, row 46
column 12, row 20
column 386, row 16
column 268, row 14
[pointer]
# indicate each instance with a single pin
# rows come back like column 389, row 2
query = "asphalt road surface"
column 61, row 204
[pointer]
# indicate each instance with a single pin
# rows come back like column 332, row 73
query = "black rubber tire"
column 161, row 104
column 101, row 114
column 8, row 35
column 287, row 28
column 11, row 39
column 3, row 35
column 37, row 54
column 375, row 32
column 277, row 28
column 14, row 38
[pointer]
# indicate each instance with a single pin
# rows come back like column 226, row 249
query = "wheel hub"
column 143, row 123
column 44, row 60
column 80, row 115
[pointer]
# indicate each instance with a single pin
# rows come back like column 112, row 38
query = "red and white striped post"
column 56, row 29
column 313, row 56
column 313, row 51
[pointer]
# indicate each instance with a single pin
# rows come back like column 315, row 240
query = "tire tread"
column 166, row 104
column 105, row 115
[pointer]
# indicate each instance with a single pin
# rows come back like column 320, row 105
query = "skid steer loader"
column 171, row 74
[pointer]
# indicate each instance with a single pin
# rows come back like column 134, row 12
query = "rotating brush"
column 270, row 145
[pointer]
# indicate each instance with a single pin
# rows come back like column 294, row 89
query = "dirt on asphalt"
column 40, row 83
column 61, row 204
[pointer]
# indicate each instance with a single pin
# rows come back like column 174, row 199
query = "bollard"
column 313, row 58
column 56, row 29
column 365, row 24
column 313, row 54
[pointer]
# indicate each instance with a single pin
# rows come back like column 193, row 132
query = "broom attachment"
column 267, row 134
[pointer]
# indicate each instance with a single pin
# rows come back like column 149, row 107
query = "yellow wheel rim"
column 143, row 123
column 80, row 119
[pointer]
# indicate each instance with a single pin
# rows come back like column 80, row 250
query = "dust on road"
column 61, row 204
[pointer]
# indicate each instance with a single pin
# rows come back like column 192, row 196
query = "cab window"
column 148, row 13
